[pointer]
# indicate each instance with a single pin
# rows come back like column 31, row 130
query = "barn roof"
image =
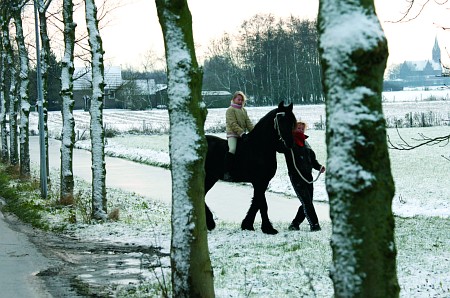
column 83, row 78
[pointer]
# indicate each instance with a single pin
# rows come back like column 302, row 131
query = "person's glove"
column 244, row 137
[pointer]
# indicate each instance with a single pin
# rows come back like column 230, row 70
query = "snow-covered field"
column 290, row 264
column 157, row 121
column 422, row 167
column 417, row 94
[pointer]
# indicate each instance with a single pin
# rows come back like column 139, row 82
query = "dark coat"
column 305, row 160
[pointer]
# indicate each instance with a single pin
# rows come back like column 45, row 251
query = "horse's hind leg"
column 210, row 223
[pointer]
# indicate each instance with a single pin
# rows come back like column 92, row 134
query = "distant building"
column 422, row 73
column 142, row 94
column 216, row 99
column 139, row 94
column 82, row 87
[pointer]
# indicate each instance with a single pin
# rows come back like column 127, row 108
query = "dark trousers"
column 304, row 193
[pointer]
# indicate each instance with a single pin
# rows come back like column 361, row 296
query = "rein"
column 277, row 127
column 304, row 179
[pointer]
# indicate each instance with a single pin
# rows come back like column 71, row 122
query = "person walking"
column 300, row 174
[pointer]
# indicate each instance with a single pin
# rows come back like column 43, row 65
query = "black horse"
column 255, row 162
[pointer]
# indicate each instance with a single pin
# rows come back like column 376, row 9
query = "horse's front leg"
column 266, row 225
column 259, row 202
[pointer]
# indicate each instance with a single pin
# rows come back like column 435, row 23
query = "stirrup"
column 227, row 177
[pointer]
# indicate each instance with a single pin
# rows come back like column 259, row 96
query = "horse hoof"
column 269, row 230
column 211, row 225
column 247, row 227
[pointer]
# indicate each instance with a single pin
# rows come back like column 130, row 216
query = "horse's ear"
column 281, row 104
column 291, row 106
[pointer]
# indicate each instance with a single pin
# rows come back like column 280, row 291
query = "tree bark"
column 13, row 106
column 45, row 61
column 192, row 275
column 9, row 89
column 68, row 129
column 23, row 96
column 353, row 52
column 4, row 21
column 99, row 209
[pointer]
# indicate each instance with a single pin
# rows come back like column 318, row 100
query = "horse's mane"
column 270, row 115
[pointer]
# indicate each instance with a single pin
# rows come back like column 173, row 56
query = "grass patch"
column 20, row 196
column 246, row 264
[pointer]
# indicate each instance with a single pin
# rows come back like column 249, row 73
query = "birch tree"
column 353, row 52
column 13, row 99
column 42, row 6
column 96, row 112
column 23, row 91
column 192, row 275
column 3, row 70
column 68, row 129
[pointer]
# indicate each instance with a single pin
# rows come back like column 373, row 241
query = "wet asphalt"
column 228, row 201
column 20, row 261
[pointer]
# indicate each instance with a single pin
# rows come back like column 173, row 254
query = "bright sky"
column 134, row 29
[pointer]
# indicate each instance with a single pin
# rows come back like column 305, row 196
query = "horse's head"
column 284, row 123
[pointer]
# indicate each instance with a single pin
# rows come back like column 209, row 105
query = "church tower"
column 436, row 54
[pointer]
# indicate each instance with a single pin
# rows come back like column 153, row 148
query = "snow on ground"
column 419, row 174
column 251, row 264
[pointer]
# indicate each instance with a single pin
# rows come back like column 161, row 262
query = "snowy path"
column 227, row 201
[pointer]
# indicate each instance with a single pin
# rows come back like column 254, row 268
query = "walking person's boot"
column 294, row 226
column 229, row 166
column 299, row 218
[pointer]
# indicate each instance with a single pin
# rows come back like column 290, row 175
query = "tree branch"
column 423, row 139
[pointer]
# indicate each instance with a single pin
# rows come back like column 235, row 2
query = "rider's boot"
column 229, row 165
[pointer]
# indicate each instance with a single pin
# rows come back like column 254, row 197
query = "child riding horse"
column 255, row 162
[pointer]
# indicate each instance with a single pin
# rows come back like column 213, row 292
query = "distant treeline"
column 270, row 60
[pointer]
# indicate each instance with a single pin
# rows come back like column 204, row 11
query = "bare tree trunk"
column 45, row 60
column 23, row 96
column 96, row 111
column 10, row 88
column 192, row 275
column 3, row 87
column 68, row 129
column 359, row 181
column 13, row 108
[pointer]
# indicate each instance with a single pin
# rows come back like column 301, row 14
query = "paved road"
column 20, row 260
column 227, row 201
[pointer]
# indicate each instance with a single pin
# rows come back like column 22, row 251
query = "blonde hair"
column 302, row 122
column 244, row 98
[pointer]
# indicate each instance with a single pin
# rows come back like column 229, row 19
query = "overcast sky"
column 134, row 29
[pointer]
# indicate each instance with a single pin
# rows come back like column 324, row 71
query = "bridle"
column 276, row 126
